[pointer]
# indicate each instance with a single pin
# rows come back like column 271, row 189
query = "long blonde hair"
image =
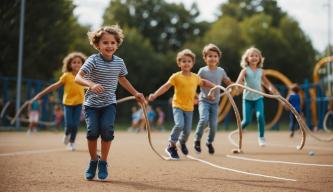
column 244, row 63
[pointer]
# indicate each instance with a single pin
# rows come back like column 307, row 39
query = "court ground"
column 40, row 162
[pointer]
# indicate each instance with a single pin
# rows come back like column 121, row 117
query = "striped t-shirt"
column 105, row 73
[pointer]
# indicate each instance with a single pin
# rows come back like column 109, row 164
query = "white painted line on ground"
column 30, row 152
column 238, row 171
column 278, row 162
column 305, row 147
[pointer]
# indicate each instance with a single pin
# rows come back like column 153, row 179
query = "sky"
column 312, row 15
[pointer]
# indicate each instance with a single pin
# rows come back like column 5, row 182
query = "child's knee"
column 107, row 132
column 107, row 135
column 92, row 135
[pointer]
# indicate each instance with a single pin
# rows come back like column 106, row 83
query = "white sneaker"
column 71, row 147
column 262, row 141
column 66, row 139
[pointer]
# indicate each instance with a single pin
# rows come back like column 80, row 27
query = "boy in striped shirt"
column 101, row 73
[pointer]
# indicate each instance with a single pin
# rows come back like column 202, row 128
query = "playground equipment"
column 320, row 97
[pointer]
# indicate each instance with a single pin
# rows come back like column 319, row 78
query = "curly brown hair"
column 115, row 30
column 66, row 62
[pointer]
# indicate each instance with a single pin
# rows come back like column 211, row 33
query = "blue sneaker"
column 91, row 170
column 197, row 146
column 183, row 148
column 211, row 149
column 102, row 170
column 172, row 152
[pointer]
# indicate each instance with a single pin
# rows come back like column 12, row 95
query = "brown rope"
column 278, row 97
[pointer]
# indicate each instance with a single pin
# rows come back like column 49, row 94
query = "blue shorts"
column 100, row 121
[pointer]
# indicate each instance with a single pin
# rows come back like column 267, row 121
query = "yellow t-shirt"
column 185, row 90
column 73, row 92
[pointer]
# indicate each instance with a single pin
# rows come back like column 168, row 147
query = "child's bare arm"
column 164, row 88
column 128, row 86
column 79, row 79
column 227, row 81
column 241, row 76
column 206, row 83
column 49, row 89
column 269, row 85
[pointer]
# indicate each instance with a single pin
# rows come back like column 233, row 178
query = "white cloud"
column 90, row 11
column 311, row 14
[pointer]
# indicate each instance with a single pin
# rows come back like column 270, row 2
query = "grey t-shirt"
column 215, row 76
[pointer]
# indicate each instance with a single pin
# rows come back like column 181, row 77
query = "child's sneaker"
column 262, row 141
column 291, row 134
column 197, row 146
column 66, row 139
column 183, row 148
column 102, row 170
column 172, row 152
column 210, row 148
column 91, row 170
column 71, row 147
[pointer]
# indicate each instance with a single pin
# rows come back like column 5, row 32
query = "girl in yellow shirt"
column 73, row 96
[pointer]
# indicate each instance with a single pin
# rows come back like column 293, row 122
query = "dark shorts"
column 100, row 121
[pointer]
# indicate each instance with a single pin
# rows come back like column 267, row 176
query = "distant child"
column 208, row 109
column 58, row 116
column 295, row 100
column 101, row 73
column 160, row 120
column 150, row 115
column 185, row 85
column 136, row 118
column 33, row 112
column 72, row 98
column 253, row 76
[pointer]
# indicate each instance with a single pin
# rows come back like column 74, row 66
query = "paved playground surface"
column 40, row 162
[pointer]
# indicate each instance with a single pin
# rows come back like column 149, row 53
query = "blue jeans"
column 72, row 120
column 100, row 121
column 183, row 125
column 293, row 122
column 258, row 107
column 207, row 116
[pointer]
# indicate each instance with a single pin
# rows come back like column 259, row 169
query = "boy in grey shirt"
column 208, row 107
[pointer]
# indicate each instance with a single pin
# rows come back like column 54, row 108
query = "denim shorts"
column 100, row 122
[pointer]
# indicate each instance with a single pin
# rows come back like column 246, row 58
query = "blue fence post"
column 320, row 106
column 307, row 101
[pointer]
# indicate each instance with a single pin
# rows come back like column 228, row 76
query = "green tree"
column 167, row 25
column 49, row 31
column 264, row 25
column 146, row 68
column 241, row 9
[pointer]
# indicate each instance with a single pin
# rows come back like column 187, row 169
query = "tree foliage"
column 50, row 28
column 167, row 25
column 261, row 23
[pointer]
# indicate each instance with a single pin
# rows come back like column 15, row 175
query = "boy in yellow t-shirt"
column 185, row 85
